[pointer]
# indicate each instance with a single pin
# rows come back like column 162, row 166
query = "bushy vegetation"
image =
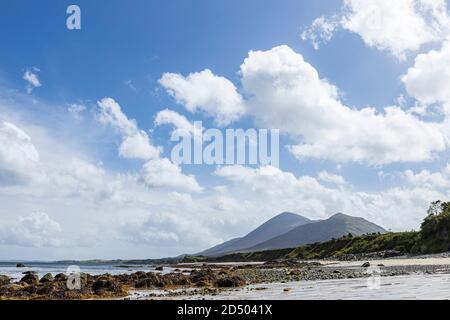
column 402, row 242
column 435, row 230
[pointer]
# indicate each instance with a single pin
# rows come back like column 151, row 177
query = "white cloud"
column 288, row 93
column 76, row 110
column 428, row 80
column 156, row 172
column 427, row 179
column 204, row 91
column 35, row 230
column 269, row 188
column 163, row 173
column 138, row 146
column 170, row 117
column 110, row 113
column 19, row 159
column 136, row 143
column 321, row 30
column 399, row 26
column 331, row 178
column 32, row 79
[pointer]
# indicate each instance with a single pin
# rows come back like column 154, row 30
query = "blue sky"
column 123, row 51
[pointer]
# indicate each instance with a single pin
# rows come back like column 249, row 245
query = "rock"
column 230, row 282
column 287, row 289
column 4, row 280
column 46, row 289
column 160, row 268
column 204, row 277
column 380, row 265
column 31, row 279
column 365, row 265
column 105, row 284
column 61, row 277
column 47, row 278
column 29, row 272
column 20, row 265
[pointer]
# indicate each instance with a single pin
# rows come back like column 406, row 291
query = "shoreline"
column 209, row 280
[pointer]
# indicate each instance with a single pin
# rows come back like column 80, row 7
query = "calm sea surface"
column 10, row 269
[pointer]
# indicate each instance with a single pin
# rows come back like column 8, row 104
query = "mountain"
column 219, row 248
column 335, row 227
column 274, row 227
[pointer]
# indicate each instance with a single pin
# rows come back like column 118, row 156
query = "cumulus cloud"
column 33, row 79
column 398, row 27
column 110, row 113
column 19, row 159
column 431, row 180
column 400, row 208
column 285, row 92
column 163, row 173
column 170, row 117
column 136, row 143
column 331, row 178
column 138, row 146
column 35, row 230
column 428, row 79
column 288, row 93
column 157, row 172
column 204, row 91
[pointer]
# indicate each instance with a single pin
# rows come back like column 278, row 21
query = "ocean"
column 9, row 268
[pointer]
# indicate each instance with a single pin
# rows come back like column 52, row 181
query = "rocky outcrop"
column 105, row 286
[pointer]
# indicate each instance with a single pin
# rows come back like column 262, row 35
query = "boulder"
column 47, row 278
column 20, row 265
column 61, row 277
column 203, row 277
column 160, row 268
column 4, row 280
column 365, row 265
column 30, row 278
column 105, row 284
column 230, row 282
column 29, row 272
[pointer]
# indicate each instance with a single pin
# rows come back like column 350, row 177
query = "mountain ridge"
column 289, row 230
column 273, row 227
column 336, row 226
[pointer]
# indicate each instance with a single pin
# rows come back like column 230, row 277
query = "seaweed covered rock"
column 106, row 284
column 30, row 278
column 230, row 282
column 61, row 277
column 4, row 280
column 47, row 278
column 204, row 277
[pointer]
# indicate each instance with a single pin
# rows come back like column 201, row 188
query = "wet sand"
column 405, row 278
